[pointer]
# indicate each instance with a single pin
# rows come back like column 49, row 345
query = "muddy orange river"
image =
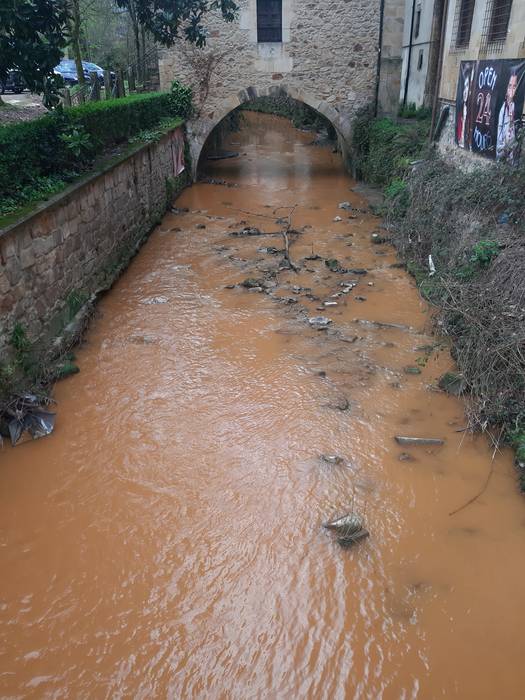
column 167, row 539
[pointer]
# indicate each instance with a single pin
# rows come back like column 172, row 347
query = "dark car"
column 68, row 70
column 14, row 83
column 93, row 68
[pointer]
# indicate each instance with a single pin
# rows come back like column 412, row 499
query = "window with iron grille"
column 496, row 24
column 463, row 23
column 270, row 21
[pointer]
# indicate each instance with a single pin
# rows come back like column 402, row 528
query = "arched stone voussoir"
column 199, row 129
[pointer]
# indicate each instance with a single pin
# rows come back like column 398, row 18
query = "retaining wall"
column 64, row 250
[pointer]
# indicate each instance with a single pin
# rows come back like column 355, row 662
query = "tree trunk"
column 143, row 55
column 75, row 27
column 136, row 34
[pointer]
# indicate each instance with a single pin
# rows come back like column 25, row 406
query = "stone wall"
column 327, row 59
column 72, row 244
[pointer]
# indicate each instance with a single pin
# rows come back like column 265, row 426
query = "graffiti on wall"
column 489, row 108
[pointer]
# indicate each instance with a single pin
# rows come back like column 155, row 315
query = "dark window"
column 464, row 22
column 420, row 60
column 418, row 23
column 499, row 20
column 270, row 21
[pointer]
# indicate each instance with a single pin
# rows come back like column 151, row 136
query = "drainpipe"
column 379, row 54
column 440, row 67
column 409, row 60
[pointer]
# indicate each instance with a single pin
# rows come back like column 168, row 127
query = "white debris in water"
column 155, row 300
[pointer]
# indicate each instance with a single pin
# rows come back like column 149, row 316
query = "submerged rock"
column 252, row 283
column 319, row 322
column 452, row 383
column 346, row 525
column 352, row 539
column 248, row 231
column 332, row 459
column 350, row 528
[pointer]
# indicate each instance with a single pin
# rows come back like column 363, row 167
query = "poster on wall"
column 489, row 107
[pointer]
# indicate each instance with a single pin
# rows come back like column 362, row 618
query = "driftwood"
column 286, row 237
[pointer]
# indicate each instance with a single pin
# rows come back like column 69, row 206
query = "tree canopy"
column 33, row 33
column 32, row 38
column 164, row 19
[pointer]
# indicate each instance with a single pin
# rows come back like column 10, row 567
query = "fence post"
column 121, row 88
column 107, row 85
column 131, row 79
column 95, row 87
column 67, row 97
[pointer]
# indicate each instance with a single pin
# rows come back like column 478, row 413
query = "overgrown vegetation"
column 383, row 149
column 462, row 235
column 410, row 111
column 301, row 115
column 472, row 224
column 38, row 158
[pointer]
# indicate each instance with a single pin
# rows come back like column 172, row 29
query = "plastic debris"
column 416, row 441
column 26, row 414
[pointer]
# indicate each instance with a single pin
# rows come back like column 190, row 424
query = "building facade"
column 325, row 54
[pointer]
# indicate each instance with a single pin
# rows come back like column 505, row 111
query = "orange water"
column 167, row 540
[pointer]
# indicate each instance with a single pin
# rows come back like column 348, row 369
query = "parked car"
column 67, row 69
column 93, row 68
column 14, row 83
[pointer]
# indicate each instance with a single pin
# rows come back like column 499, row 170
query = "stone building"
column 452, row 43
column 324, row 53
column 477, row 30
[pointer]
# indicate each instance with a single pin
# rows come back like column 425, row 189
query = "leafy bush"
column 410, row 111
column 62, row 144
column 383, row 148
column 181, row 100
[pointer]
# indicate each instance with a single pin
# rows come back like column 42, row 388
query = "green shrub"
column 181, row 100
column 410, row 111
column 383, row 149
column 62, row 144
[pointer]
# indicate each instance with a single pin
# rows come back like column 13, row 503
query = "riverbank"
column 461, row 234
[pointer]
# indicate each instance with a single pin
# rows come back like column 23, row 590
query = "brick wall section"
column 69, row 244
column 328, row 59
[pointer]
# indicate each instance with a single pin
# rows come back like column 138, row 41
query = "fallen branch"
column 285, row 233
column 487, row 480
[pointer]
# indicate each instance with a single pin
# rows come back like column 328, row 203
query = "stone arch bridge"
column 324, row 53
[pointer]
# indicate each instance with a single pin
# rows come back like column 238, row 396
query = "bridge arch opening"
column 287, row 103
